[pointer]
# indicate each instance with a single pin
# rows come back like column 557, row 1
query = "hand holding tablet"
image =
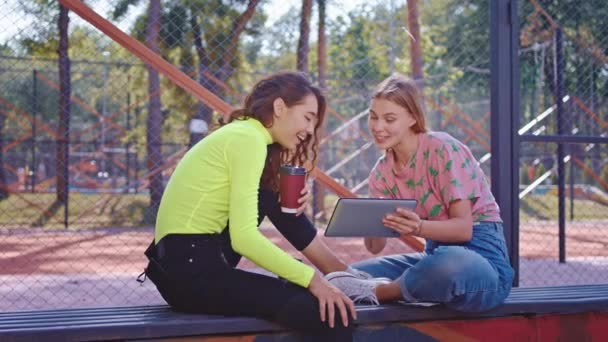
column 362, row 217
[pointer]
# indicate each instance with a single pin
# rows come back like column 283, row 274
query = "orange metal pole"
column 451, row 117
column 42, row 125
column 78, row 101
column 464, row 116
column 591, row 173
column 111, row 116
column 589, row 111
column 148, row 56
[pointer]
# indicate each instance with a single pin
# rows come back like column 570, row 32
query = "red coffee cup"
column 292, row 180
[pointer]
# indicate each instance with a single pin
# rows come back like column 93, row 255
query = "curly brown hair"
column 292, row 87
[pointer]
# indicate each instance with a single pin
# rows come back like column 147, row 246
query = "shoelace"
column 357, row 273
column 366, row 293
column 357, row 289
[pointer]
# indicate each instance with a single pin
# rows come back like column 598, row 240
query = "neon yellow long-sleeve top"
column 216, row 182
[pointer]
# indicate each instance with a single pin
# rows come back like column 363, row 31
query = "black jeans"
column 195, row 273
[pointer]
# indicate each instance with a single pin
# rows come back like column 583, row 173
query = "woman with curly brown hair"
column 212, row 205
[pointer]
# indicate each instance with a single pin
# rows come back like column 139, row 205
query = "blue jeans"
column 472, row 276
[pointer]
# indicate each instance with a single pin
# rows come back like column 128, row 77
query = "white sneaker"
column 359, row 290
column 358, row 273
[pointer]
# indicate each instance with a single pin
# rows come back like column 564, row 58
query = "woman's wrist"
column 314, row 280
column 419, row 228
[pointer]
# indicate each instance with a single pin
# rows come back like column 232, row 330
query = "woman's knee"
column 438, row 269
column 454, row 262
column 302, row 314
column 449, row 274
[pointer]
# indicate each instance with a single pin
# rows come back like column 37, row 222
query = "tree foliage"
column 364, row 45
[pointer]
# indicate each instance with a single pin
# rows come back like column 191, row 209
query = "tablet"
column 362, row 217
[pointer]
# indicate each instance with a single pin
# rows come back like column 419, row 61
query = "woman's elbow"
column 466, row 234
column 375, row 245
column 237, row 246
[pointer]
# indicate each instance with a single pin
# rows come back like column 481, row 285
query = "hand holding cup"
column 292, row 189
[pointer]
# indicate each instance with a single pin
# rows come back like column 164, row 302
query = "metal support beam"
column 561, row 149
column 504, row 79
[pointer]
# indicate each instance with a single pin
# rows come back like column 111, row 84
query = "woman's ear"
column 413, row 122
column 278, row 105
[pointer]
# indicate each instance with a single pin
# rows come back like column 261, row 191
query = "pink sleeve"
column 456, row 173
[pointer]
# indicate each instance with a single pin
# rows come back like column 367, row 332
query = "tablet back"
column 363, row 216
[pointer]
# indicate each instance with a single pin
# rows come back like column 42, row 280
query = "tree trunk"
column 227, row 69
column 63, row 140
column 415, row 47
column 322, row 46
column 200, row 122
column 3, row 185
column 319, row 189
column 226, row 66
column 154, row 123
column 302, row 53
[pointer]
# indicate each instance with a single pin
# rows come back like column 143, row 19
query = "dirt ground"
column 120, row 251
column 41, row 269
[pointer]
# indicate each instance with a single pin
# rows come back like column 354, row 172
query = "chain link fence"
column 564, row 78
column 89, row 142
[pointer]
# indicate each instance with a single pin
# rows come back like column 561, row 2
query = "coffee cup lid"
column 293, row 170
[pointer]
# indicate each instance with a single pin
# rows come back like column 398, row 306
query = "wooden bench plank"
column 160, row 321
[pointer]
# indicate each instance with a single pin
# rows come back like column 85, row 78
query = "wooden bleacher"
column 568, row 313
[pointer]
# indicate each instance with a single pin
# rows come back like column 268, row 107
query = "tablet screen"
column 362, row 217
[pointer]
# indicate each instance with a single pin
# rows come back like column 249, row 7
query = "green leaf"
column 482, row 217
column 435, row 210
column 456, row 183
column 410, row 183
column 425, row 196
column 121, row 8
column 439, row 152
column 433, row 171
column 448, row 165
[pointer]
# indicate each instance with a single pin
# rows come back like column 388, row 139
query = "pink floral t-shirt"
column 442, row 170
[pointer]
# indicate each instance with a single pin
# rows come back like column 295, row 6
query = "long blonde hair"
column 403, row 92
